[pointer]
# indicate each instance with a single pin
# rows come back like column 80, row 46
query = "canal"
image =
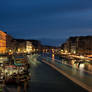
column 78, row 69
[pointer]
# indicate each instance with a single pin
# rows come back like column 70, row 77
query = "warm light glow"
column 74, row 52
column 81, row 56
column 81, row 67
column 61, row 50
column 18, row 50
column 66, row 51
column 29, row 47
column 2, row 42
column 53, row 51
column 53, row 57
column 10, row 50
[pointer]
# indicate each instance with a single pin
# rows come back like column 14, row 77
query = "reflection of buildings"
column 53, row 57
column 2, row 42
column 88, row 67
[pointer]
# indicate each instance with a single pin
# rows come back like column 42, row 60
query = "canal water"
column 83, row 65
column 78, row 69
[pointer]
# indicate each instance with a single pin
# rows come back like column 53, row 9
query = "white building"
column 29, row 47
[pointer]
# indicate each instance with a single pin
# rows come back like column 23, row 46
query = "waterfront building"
column 29, row 47
column 81, row 45
column 2, row 42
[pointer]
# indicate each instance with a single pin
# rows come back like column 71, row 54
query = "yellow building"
column 2, row 42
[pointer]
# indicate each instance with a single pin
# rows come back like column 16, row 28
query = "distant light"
column 10, row 50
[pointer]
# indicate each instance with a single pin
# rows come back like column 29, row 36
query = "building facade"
column 2, row 42
column 81, row 45
column 29, row 47
column 10, row 44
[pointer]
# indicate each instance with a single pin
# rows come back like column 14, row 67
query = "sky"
column 53, row 19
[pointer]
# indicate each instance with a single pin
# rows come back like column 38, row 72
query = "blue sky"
column 53, row 19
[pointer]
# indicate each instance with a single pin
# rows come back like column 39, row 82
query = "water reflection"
column 81, row 65
column 53, row 57
column 81, row 68
column 88, row 67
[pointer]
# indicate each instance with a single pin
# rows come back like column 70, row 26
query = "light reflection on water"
column 53, row 57
column 80, row 65
column 76, row 64
column 81, row 68
column 78, row 69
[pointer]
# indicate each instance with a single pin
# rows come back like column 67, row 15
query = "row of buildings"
column 10, row 45
column 81, row 45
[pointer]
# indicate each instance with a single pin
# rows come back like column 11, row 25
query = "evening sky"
column 53, row 19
